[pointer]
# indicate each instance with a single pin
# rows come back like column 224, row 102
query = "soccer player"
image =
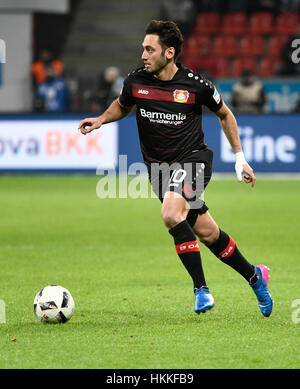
column 168, row 99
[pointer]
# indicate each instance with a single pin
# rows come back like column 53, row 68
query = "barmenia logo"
column 163, row 118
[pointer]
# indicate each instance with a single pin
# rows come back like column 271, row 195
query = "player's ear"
column 170, row 52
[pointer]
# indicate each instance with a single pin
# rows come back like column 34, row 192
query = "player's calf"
column 226, row 250
column 188, row 250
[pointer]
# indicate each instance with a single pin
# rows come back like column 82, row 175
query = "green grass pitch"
column 134, row 299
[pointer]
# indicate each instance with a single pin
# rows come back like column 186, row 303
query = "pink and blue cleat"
column 260, row 288
column 203, row 300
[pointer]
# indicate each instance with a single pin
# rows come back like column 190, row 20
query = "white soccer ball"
column 53, row 304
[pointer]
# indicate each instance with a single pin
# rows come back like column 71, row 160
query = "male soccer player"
column 168, row 99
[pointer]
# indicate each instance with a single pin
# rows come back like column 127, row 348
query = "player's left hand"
column 243, row 170
column 248, row 175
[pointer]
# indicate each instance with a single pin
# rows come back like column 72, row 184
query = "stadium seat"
column 275, row 44
column 191, row 62
column 267, row 66
column 198, row 46
column 207, row 23
column 251, row 45
column 195, row 42
column 261, row 23
column 207, row 62
column 287, row 22
column 225, row 45
column 241, row 63
column 234, row 23
column 222, row 67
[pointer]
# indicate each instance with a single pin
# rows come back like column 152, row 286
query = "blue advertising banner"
column 52, row 143
column 270, row 142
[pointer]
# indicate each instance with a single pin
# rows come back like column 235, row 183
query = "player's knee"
column 171, row 218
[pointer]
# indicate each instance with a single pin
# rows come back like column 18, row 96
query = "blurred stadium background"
column 95, row 43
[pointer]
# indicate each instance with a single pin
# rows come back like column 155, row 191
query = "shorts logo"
column 177, row 177
column 181, row 96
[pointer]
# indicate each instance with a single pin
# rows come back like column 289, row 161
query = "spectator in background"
column 108, row 89
column 248, row 95
column 52, row 95
column 110, row 86
column 289, row 67
column 182, row 12
column 45, row 61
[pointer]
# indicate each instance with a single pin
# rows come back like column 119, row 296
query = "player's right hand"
column 89, row 124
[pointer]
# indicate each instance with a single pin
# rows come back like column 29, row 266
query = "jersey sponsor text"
column 165, row 118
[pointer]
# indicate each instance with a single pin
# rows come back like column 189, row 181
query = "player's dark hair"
column 169, row 34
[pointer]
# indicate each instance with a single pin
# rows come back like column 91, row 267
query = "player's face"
column 154, row 57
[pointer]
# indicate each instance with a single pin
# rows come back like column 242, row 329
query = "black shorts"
column 188, row 177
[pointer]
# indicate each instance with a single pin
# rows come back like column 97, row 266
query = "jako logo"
column 261, row 148
column 143, row 91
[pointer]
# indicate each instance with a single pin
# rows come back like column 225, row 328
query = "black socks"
column 226, row 250
column 187, row 248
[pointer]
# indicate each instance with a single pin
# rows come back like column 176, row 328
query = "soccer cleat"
column 260, row 288
column 203, row 300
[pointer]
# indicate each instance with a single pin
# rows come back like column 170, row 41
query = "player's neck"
column 168, row 72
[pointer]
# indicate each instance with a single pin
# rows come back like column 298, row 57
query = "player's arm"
column 230, row 128
column 116, row 111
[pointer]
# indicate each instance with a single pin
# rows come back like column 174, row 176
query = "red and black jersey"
column 169, row 113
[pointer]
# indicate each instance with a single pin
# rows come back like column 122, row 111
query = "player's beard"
column 159, row 66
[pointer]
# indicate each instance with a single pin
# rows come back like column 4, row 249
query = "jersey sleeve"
column 126, row 99
column 210, row 96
